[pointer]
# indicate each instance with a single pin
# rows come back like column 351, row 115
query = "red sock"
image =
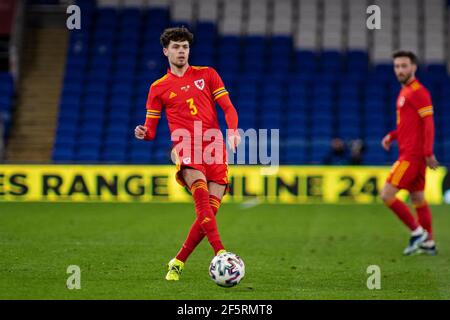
column 424, row 214
column 196, row 233
column 403, row 213
column 214, row 203
column 205, row 215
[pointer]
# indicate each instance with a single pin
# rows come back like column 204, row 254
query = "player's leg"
column 196, row 180
column 216, row 193
column 205, row 224
column 388, row 195
column 423, row 211
column 176, row 265
column 196, row 234
column 424, row 215
column 418, row 234
column 200, row 192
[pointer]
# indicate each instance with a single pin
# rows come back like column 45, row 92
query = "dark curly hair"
column 176, row 34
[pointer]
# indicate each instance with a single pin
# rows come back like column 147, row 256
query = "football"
column 227, row 269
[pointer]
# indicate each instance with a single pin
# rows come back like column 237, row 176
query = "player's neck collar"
column 177, row 76
column 410, row 82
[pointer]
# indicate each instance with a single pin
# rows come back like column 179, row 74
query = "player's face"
column 177, row 52
column 404, row 69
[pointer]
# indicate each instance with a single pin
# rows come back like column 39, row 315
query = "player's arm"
column 425, row 109
column 388, row 139
column 393, row 135
column 222, row 97
column 154, row 107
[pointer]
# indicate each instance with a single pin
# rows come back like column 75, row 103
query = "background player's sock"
column 424, row 214
column 403, row 213
column 196, row 233
column 428, row 244
column 205, row 215
column 417, row 232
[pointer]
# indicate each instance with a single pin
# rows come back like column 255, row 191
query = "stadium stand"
column 307, row 67
column 6, row 98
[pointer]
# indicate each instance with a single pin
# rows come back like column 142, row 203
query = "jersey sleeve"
column 154, row 104
column 429, row 136
column 424, row 106
column 393, row 135
column 154, row 107
column 422, row 103
column 216, row 84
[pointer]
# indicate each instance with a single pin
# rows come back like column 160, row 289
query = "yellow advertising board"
column 131, row 183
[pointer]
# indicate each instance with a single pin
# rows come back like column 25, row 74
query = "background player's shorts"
column 408, row 174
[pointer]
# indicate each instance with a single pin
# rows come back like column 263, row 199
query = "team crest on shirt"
column 200, row 83
column 401, row 101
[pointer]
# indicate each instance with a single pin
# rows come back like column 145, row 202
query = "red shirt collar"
column 188, row 70
column 411, row 82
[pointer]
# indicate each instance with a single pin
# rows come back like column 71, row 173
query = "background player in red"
column 415, row 137
column 188, row 95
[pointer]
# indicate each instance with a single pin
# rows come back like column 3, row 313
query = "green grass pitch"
column 290, row 252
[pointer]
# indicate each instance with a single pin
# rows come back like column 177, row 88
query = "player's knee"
column 386, row 196
column 417, row 199
column 191, row 175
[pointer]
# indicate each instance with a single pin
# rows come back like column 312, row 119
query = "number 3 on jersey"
column 192, row 106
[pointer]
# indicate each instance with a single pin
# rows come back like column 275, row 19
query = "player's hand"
column 234, row 139
column 140, row 131
column 386, row 142
column 432, row 162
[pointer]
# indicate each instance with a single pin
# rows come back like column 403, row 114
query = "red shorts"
column 408, row 174
column 214, row 172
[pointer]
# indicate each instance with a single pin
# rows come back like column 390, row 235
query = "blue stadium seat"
column 140, row 156
column 295, row 129
column 437, row 71
column 270, row 121
column 68, row 115
column 206, row 32
column 87, row 155
column 72, row 87
column 6, row 102
column 63, row 155
column 305, row 62
column 349, row 132
column 65, row 135
column 319, row 150
column 87, row 5
column 331, row 61
column 374, row 154
column 114, row 156
column 357, row 60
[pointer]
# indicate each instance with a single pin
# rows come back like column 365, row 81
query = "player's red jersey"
column 413, row 106
column 189, row 102
column 187, row 99
column 415, row 135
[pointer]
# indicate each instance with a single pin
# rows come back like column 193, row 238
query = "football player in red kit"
column 188, row 95
column 415, row 138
